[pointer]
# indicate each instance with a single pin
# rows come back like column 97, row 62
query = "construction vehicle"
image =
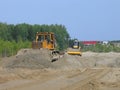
column 75, row 49
column 44, row 40
column 47, row 40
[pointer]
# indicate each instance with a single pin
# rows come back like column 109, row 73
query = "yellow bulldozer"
column 44, row 40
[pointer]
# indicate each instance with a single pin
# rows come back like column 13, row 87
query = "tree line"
column 12, row 36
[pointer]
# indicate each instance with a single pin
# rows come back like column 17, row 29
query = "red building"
column 89, row 42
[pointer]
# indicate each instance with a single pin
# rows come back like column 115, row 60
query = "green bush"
column 8, row 48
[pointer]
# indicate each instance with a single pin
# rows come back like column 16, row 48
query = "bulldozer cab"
column 44, row 40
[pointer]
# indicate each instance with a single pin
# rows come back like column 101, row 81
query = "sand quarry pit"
column 33, row 70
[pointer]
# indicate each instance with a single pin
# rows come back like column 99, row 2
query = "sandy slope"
column 33, row 70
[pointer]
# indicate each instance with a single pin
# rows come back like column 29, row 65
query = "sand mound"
column 39, row 59
column 110, row 59
column 29, row 58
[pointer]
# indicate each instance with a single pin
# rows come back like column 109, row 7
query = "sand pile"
column 110, row 59
column 29, row 58
column 39, row 59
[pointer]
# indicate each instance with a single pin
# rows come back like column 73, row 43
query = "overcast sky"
column 84, row 19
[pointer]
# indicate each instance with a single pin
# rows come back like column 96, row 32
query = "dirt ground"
column 33, row 70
